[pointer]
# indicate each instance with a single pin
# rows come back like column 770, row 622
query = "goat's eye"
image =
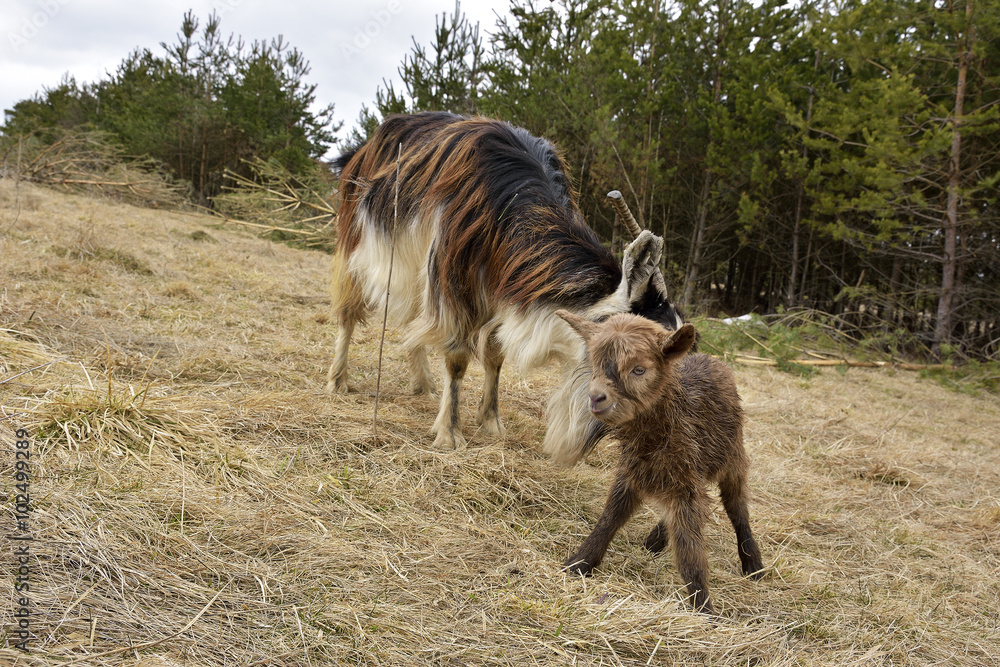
column 638, row 370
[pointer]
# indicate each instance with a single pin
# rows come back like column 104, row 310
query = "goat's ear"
column 677, row 343
column 582, row 326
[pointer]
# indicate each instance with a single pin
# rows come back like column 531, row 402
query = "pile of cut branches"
column 91, row 161
column 801, row 340
column 283, row 206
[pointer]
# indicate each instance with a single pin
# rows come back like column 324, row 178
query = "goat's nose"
column 598, row 402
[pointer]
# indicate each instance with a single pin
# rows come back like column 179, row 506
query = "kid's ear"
column 677, row 344
column 582, row 326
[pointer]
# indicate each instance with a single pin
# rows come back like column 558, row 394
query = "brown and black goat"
column 488, row 244
column 679, row 423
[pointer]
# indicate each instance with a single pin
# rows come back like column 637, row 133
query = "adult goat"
column 488, row 243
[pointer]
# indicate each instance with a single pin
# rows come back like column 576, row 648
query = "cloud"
column 352, row 46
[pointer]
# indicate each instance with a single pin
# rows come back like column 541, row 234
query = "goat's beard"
column 572, row 430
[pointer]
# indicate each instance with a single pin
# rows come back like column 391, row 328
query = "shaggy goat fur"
column 679, row 423
column 489, row 242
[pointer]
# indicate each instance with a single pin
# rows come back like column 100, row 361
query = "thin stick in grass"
column 33, row 368
column 302, row 635
column 388, row 282
column 137, row 647
column 183, row 489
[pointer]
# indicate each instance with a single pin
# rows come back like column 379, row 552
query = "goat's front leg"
column 622, row 504
column 733, row 492
column 447, row 427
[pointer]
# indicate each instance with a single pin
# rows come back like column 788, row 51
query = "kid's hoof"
column 576, row 565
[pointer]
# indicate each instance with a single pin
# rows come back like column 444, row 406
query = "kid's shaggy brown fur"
column 680, row 425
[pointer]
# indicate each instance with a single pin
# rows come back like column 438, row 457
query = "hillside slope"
column 198, row 500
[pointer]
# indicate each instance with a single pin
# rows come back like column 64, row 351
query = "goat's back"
column 712, row 414
column 489, row 204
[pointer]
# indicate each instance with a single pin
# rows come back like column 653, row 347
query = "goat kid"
column 679, row 423
column 488, row 243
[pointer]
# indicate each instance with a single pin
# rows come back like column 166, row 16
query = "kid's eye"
column 638, row 370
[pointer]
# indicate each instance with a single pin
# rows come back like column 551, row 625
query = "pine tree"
column 201, row 108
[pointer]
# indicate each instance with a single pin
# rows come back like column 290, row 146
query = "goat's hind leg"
column 686, row 516
column 658, row 538
column 489, row 408
column 447, row 426
column 348, row 304
column 732, row 491
column 420, row 371
column 336, row 377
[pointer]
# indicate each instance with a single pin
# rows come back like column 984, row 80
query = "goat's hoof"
column 577, row 565
column 337, row 387
column 449, row 440
column 493, row 428
column 423, row 389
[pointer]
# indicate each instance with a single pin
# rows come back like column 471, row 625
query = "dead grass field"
column 198, row 500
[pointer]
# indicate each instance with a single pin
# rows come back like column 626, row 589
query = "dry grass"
column 199, row 501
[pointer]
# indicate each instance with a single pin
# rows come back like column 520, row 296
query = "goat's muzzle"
column 599, row 404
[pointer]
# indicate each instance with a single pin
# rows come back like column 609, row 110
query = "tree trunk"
column 180, row 146
column 803, row 292
column 799, row 195
column 793, row 278
column 698, row 239
column 204, row 158
column 942, row 330
column 701, row 219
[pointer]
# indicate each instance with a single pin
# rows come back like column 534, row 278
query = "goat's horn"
column 623, row 214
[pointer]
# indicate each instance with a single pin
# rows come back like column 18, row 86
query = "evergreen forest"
column 835, row 156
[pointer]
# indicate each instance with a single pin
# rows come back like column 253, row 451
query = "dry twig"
column 388, row 282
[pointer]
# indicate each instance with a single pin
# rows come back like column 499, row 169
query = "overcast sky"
column 352, row 45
